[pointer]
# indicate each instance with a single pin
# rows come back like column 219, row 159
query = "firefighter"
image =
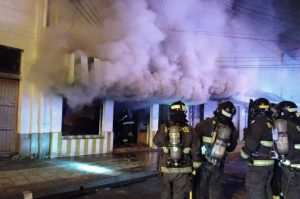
column 276, row 178
column 126, row 127
column 179, row 155
column 257, row 148
column 290, row 165
column 218, row 136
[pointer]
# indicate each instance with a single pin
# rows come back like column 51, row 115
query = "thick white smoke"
column 156, row 50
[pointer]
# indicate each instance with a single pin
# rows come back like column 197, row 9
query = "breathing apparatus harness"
column 216, row 149
column 177, row 154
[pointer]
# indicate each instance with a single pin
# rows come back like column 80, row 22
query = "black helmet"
column 225, row 109
column 261, row 105
column 287, row 109
column 177, row 112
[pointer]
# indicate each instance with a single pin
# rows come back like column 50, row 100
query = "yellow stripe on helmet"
column 265, row 106
column 292, row 110
column 177, row 106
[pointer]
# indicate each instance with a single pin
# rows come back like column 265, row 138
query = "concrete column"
column 70, row 62
column 242, row 120
column 154, row 116
column 56, row 113
column 84, row 71
column 107, row 121
column 24, row 126
column 56, row 125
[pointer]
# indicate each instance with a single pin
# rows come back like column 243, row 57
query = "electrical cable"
column 162, row 7
column 79, row 10
column 88, row 14
column 95, row 15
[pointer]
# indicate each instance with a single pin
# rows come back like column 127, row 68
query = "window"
column 10, row 60
column 82, row 121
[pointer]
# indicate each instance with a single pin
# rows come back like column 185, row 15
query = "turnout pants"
column 290, row 183
column 258, row 182
column 175, row 186
column 276, row 181
column 208, row 182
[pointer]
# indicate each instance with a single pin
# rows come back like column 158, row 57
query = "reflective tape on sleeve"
column 286, row 163
column 207, row 139
column 196, row 164
column 186, row 150
column 266, row 143
column 176, row 170
column 297, row 146
column 260, row 163
column 244, row 155
column 297, row 166
column 165, row 149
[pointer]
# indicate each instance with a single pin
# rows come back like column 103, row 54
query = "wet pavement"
column 56, row 176
column 148, row 188
column 235, row 173
column 63, row 175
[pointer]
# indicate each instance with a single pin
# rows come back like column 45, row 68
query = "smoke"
column 154, row 50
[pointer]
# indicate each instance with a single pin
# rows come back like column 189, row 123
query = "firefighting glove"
column 196, row 166
column 194, row 172
column 203, row 150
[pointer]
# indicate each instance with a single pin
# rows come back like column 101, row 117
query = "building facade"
column 38, row 123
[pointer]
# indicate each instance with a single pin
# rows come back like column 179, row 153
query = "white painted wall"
column 154, row 117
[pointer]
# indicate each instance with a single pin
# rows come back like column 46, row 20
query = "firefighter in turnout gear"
column 218, row 136
column 257, row 149
column 290, row 164
column 276, row 178
column 127, row 124
column 180, row 153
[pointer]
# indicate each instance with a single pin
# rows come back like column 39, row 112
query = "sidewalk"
column 41, row 178
column 235, row 174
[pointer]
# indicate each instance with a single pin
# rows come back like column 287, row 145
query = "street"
column 149, row 188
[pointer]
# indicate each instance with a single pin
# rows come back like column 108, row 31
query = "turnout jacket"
column 190, row 146
column 293, row 131
column 204, row 131
column 259, row 142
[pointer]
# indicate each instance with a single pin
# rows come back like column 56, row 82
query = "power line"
column 270, row 49
column 94, row 7
column 232, row 36
column 95, row 14
column 88, row 14
column 79, row 10
column 286, row 66
column 265, row 14
column 237, row 36
column 244, row 57
column 257, row 67
column 162, row 7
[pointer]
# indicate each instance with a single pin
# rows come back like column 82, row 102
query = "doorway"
column 131, row 121
column 10, row 59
